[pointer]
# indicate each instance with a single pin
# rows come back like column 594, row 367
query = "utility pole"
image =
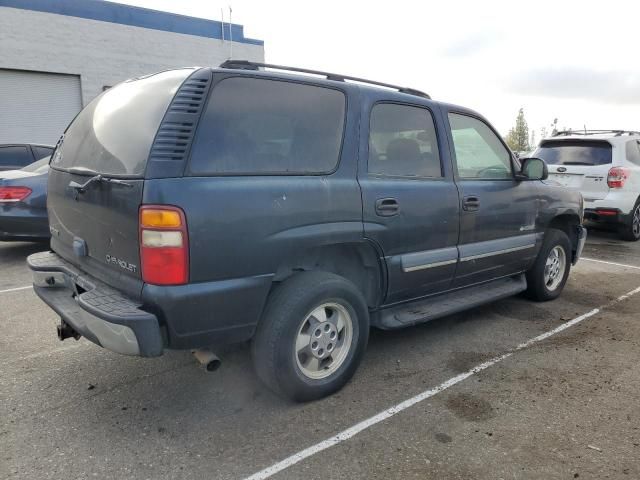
column 230, row 34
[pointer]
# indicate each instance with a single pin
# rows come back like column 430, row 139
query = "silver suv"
column 604, row 165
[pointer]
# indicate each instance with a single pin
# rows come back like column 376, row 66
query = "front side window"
column 403, row 142
column 258, row 126
column 479, row 152
column 15, row 156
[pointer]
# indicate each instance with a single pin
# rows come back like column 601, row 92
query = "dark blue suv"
column 198, row 207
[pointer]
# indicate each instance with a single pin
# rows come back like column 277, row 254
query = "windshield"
column 40, row 166
column 114, row 133
column 574, row 152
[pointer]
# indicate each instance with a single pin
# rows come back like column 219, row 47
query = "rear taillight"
column 164, row 246
column 617, row 176
column 13, row 194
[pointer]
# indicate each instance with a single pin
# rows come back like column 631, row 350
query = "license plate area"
column 567, row 179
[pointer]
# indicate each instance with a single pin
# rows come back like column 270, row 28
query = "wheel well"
column 567, row 223
column 357, row 262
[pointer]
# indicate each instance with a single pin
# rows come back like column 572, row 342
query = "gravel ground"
column 566, row 407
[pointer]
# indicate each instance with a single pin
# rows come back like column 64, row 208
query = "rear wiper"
column 82, row 187
column 579, row 163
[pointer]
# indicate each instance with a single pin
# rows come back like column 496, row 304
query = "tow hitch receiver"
column 66, row 331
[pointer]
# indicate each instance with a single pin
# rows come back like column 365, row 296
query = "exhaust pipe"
column 208, row 359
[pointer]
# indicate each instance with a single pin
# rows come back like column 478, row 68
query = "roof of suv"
column 279, row 71
column 612, row 136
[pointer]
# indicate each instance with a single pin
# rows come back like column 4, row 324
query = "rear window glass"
column 114, row 133
column 17, row 156
column 257, row 126
column 578, row 152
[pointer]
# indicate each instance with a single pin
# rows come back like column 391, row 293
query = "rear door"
column 96, row 227
column 410, row 202
column 498, row 215
column 578, row 164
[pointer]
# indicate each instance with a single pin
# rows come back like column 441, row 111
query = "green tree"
column 518, row 136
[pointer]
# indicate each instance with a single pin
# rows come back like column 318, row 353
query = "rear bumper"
column 95, row 310
column 604, row 215
column 23, row 224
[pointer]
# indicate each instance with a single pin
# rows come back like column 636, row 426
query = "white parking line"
column 390, row 412
column 17, row 289
column 610, row 263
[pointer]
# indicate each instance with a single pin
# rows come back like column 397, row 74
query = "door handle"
column 470, row 203
column 387, row 207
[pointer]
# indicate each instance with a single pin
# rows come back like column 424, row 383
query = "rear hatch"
column 579, row 164
column 96, row 178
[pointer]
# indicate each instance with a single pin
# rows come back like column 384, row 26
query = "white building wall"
column 103, row 53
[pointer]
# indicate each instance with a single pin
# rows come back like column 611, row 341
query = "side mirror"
column 533, row 169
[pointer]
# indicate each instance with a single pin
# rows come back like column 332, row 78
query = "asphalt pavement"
column 564, row 406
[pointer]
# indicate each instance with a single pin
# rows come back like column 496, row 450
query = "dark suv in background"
column 221, row 205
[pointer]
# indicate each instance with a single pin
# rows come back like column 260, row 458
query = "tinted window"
column 574, row 152
column 15, row 156
column 41, row 152
column 479, row 151
column 265, row 126
column 633, row 151
column 114, row 133
column 402, row 141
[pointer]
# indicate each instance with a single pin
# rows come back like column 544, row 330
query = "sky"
column 574, row 61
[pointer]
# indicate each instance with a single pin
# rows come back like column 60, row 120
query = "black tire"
column 537, row 288
column 630, row 229
column 273, row 347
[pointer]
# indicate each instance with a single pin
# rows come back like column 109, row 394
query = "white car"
column 604, row 165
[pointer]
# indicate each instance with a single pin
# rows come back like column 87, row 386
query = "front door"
column 410, row 201
column 498, row 227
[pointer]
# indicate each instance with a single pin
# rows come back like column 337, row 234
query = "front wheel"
column 547, row 277
column 312, row 336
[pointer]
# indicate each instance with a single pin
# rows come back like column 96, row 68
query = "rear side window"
column 479, row 152
column 42, row 152
column 257, row 126
column 574, row 152
column 17, row 156
column 633, row 151
column 403, row 142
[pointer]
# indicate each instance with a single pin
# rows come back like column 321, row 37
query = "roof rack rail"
column 247, row 65
column 617, row 133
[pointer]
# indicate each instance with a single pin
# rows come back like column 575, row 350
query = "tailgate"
column 590, row 181
column 97, row 230
column 96, row 178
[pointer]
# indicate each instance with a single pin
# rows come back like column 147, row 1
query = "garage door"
column 36, row 107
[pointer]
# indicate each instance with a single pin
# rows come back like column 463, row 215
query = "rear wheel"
column 630, row 230
column 547, row 277
column 312, row 336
